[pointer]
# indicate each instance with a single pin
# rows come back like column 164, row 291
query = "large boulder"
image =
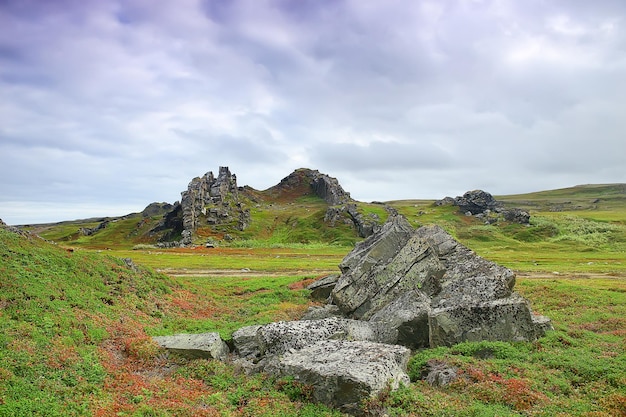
column 343, row 373
column 476, row 202
column 202, row 345
column 431, row 289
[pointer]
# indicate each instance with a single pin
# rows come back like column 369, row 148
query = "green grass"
column 235, row 302
column 291, row 258
column 56, row 308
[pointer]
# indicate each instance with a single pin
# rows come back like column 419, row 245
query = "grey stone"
column 516, row 215
column 322, row 312
column 246, row 342
column 408, row 314
column 203, row 345
column 360, row 268
column 440, row 374
column 542, row 325
column 476, row 202
column 506, row 319
column 321, row 289
column 284, row 336
column 343, row 373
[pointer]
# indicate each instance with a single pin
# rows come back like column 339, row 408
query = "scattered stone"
column 129, row 263
column 246, row 342
column 203, row 345
column 483, row 205
column 516, row 215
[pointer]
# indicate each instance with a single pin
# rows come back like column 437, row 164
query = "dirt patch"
column 570, row 275
column 240, row 273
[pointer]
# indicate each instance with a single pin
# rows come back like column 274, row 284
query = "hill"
column 578, row 228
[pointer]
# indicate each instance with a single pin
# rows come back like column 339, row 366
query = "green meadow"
column 76, row 319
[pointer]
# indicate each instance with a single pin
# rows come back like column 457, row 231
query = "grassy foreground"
column 75, row 325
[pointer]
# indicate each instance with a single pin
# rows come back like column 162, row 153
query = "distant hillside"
column 580, row 197
column 306, row 206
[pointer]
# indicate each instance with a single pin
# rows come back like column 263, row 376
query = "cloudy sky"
column 106, row 106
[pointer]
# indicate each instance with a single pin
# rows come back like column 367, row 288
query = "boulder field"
column 400, row 289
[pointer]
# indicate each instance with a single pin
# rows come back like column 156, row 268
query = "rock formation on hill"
column 211, row 200
column 481, row 204
column 218, row 203
column 304, row 181
column 208, row 201
column 400, row 289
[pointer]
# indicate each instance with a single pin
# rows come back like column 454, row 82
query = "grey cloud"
column 381, row 156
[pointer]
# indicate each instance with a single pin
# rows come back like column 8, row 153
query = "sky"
column 109, row 105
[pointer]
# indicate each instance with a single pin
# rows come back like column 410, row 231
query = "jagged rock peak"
column 212, row 200
column 304, row 181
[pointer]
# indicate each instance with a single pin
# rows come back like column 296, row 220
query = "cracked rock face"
column 433, row 290
column 342, row 373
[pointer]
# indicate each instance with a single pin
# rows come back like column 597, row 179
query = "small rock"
column 440, row 374
column 202, row 345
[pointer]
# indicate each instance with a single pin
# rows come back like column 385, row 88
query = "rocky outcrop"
column 483, row 205
column 208, row 201
column 88, row 231
column 211, row 199
column 156, row 209
column 306, row 181
column 204, row 345
column 431, row 289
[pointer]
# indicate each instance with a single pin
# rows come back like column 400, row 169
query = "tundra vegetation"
column 76, row 320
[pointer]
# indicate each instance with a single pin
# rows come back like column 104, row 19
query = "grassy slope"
column 74, row 337
column 57, row 309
